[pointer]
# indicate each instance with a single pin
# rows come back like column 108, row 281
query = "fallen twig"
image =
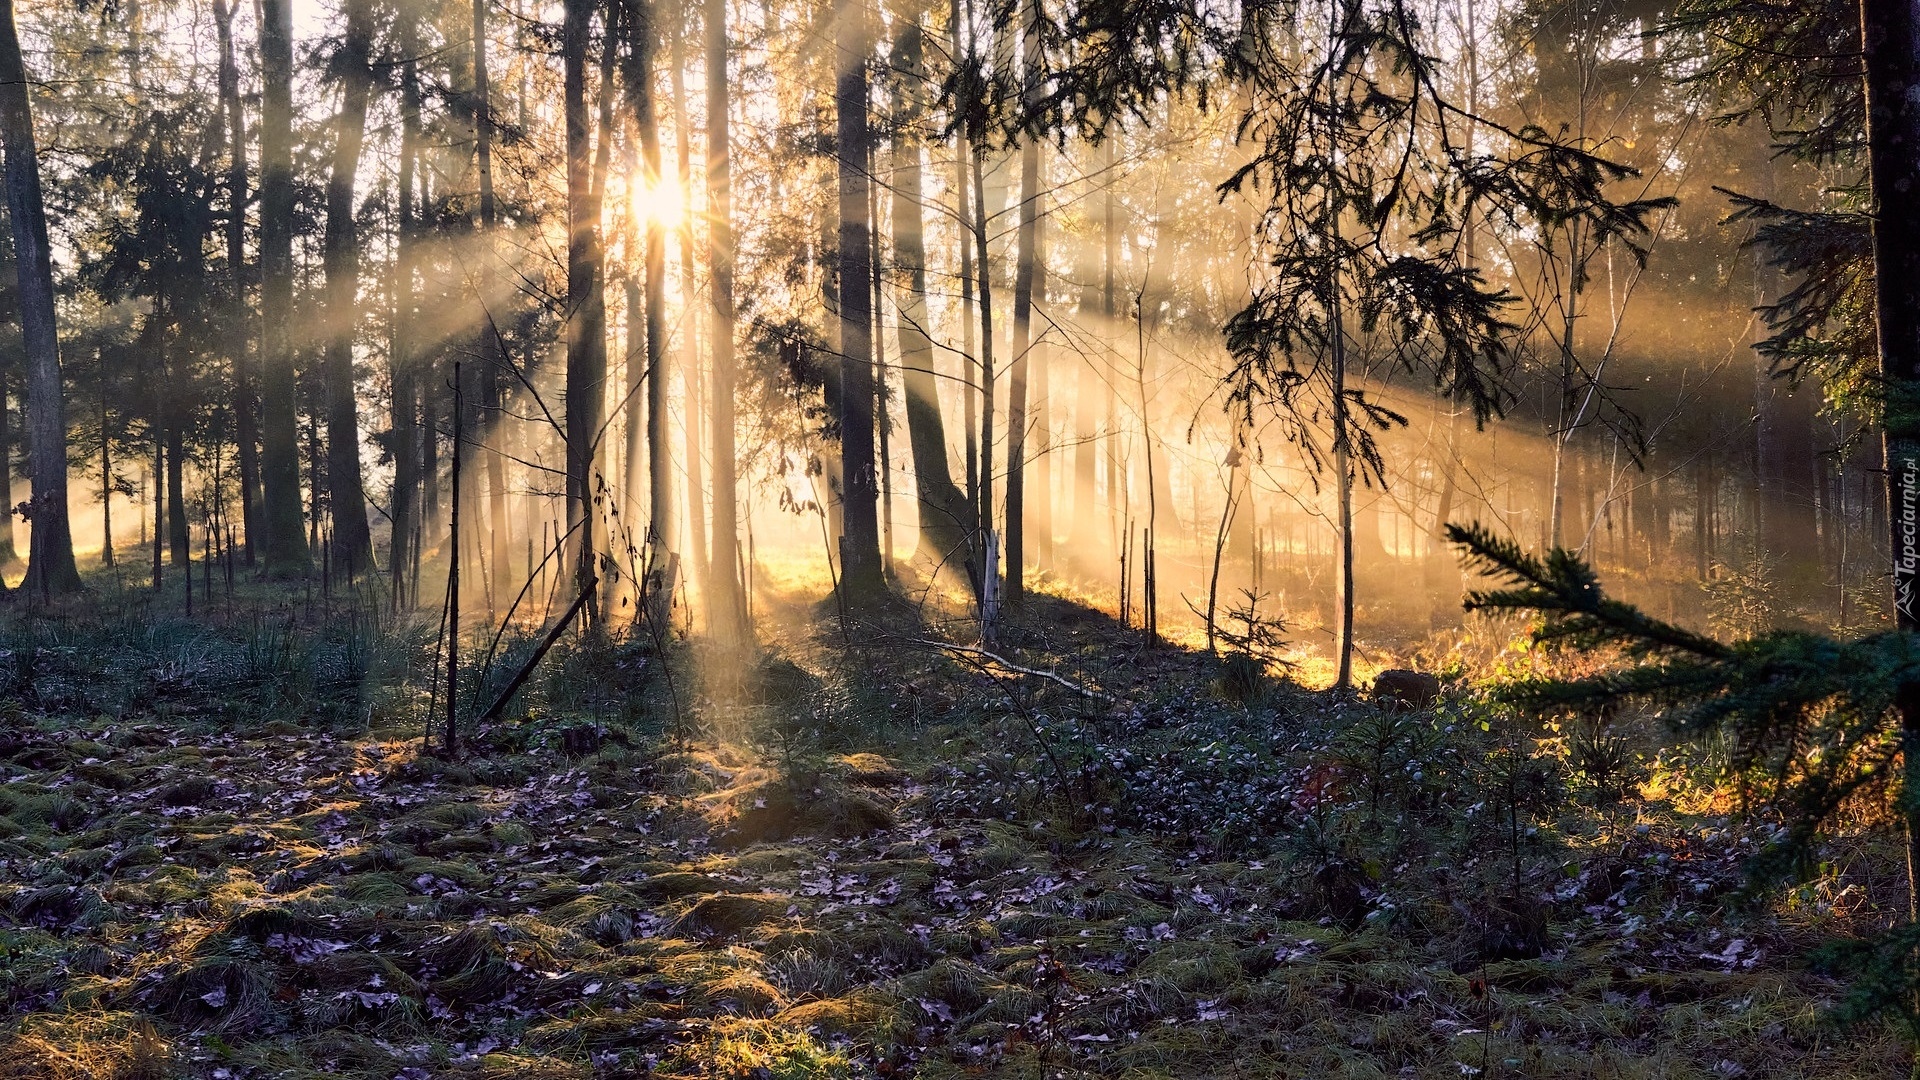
column 996, row 658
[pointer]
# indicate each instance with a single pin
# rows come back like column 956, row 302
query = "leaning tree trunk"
column 352, row 543
column 943, row 506
column 50, row 565
column 285, row 541
column 1890, row 33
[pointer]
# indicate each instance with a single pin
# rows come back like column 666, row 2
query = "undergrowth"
column 816, row 859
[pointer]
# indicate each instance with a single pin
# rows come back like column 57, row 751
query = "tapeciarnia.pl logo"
column 1908, row 563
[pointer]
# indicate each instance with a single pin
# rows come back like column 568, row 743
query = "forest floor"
column 224, row 855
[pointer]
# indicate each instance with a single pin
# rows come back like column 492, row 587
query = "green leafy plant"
column 1809, row 722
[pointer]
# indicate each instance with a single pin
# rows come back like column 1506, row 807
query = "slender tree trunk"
column 586, row 329
column 943, row 513
column 690, row 369
column 9, row 554
column 1082, row 522
column 492, row 374
column 405, row 407
column 159, row 506
column 106, row 469
column 284, row 546
column 643, row 29
column 1342, row 465
column 969, row 366
column 1110, row 311
column 726, row 611
column 50, row 565
column 316, row 487
column 179, row 543
column 1026, row 280
column 246, row 423
column 882, row 393
column 860, row 546
column 990, row 568
column 352, row 544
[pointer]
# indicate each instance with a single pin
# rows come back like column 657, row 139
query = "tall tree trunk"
column 491, row 375
column 1082, row 523
column 284, row 544
column 1890, row 33
column 690, row 370
column 882, row 393
column 644, row 28
column 943, row 507
column 969, row 366
column 1026, row 281
column 599, row 482
column 240, row 331
column 586, row 329
column 989, row 569
column 860, row 548
column 1110, row 311
column 352, row 544
column 726, row 611
column 50, row 565
column 405, row 406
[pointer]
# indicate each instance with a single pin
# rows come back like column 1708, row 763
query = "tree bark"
column 50, row 565
column 285, row 549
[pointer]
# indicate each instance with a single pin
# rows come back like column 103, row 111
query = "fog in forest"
column 1106, row 315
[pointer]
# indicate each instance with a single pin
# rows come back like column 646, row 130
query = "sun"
column 658, row 203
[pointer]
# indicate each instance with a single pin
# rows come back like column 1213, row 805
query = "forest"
column 561, row 539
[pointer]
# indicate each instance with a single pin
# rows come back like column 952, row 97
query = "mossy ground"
column 861, row 861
